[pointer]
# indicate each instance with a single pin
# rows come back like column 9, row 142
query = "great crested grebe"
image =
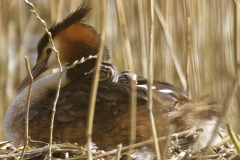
column 74, row 40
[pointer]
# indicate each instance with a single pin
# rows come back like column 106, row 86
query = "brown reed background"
column 203, row 36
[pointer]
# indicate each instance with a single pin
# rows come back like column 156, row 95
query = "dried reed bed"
column 196, row 38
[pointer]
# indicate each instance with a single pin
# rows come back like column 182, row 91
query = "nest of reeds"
column 179, row 146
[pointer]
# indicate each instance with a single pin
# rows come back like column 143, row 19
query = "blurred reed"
column 202, row 36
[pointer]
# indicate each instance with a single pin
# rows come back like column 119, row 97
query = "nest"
column 179, row 146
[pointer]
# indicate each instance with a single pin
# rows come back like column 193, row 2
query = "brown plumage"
column 171, row 105
column 112, row 115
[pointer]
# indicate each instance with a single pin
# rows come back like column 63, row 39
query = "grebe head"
column 73, row 39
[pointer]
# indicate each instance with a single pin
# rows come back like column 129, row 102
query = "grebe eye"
column 49, row 50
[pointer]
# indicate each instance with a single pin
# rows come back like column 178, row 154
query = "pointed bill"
column 36, row 71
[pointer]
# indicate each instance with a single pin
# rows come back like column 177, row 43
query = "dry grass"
column 202, row 36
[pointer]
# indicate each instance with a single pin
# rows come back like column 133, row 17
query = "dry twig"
column 118, row 152
column 150, row 82
column 123, row 27
column 222, row 142
column 60, row 66
column 27, row 106
column 93, row 94
column 172, row 50
column 189, row 42
column 79, row 62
